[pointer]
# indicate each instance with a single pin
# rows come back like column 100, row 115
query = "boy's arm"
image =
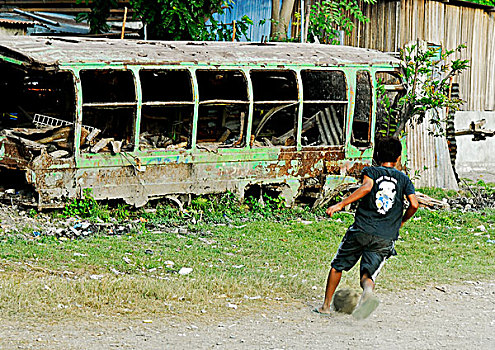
column 362, row 191
column 413, row 206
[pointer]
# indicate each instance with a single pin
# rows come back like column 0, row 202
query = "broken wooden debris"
column 116, row 146
column 58, row 154
column 432, row 203
column 92, row 135
column 100, row 145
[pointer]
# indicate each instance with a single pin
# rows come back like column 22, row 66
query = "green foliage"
column 438, row 193
column 122, row 212
column 172, row 19
column 481, row 2
column 86, row 207
column 328, row 17
column 32, row 213
column 427, row 82
column 97, row 18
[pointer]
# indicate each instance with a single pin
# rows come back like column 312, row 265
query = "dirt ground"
column 436, row 317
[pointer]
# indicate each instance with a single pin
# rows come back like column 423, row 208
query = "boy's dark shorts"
column 373, row 249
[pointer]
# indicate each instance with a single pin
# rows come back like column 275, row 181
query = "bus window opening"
column 223, row 108
column 109, row 110
column 168, row 108
column 389, row 93
column 325, row 107
column 361, row 125
column 276, row 107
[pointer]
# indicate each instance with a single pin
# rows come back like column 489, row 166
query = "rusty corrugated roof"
column 11, row 22
column 57, row 50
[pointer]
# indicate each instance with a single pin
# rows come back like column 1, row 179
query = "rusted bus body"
column 140, row 120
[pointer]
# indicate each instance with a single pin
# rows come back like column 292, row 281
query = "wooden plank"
column 490, row 63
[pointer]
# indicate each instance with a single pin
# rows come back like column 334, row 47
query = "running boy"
column 377, row 221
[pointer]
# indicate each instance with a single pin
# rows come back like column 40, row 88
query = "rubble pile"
column 29, row 223
column 479, row 202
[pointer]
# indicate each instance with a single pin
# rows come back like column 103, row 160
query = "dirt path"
column 460, row 317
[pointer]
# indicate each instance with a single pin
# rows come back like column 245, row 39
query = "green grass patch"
column 267, row 259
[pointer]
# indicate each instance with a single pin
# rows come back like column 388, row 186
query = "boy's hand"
column 362, row 191
column 334, row 208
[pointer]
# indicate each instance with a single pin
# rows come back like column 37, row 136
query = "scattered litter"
column 305, row 222
column 80, row 254
column 169, row 264
column 482, row 228
column 147, row 321
column 96, row 277
column 126, row 259
column 237, row 266
column 441, row 289
column 185, row 270
column 232, row 306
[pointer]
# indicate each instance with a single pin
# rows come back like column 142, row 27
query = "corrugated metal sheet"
column 429, row 158
column 257, row 10
column 54, row 51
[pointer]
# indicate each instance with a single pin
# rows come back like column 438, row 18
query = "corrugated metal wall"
column 257, row 10
column 429, row 158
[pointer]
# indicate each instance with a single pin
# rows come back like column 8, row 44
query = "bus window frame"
column 346, row 124
column 163, row 103
column 198, row 103
column 298, row 127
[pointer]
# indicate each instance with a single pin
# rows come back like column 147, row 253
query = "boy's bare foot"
column 322, row 311
column 368, row 304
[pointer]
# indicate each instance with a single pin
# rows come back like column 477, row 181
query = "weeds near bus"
column 86, row 207
column 428, row 83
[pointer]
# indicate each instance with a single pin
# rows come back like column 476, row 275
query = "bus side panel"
column 216, row 173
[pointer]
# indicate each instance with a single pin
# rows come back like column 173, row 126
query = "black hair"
column 388, row 149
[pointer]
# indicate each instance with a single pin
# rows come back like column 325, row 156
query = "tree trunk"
column 281, row 19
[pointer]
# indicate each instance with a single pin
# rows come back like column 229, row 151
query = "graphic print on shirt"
column 385, row 197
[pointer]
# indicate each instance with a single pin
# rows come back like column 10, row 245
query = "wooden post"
column 233, row 31
column 123, row 23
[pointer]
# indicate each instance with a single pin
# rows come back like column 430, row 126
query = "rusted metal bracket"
column 477, row 129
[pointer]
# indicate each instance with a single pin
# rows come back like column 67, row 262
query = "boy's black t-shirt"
column 380, row 211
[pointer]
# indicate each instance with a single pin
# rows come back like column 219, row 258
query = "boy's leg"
column 332, row 283
column 367, row 284
column 374, row 256
column 369, row 302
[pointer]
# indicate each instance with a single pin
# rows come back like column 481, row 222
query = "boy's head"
column 388, row 149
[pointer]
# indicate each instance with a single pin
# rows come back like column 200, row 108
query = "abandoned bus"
column 137, row 120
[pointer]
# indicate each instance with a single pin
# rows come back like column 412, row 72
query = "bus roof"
column 56, row 51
